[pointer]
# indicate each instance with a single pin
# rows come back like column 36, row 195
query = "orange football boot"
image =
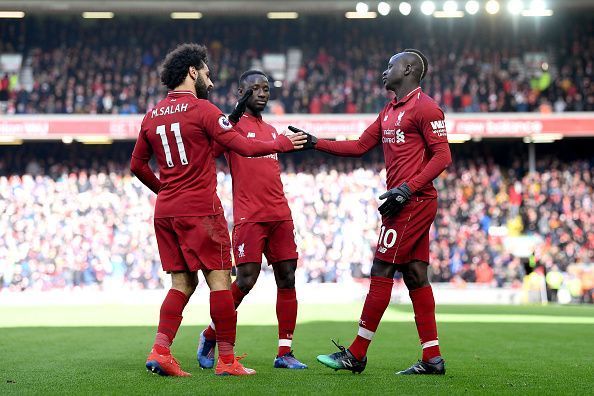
column 164, row 365
column 234, row 368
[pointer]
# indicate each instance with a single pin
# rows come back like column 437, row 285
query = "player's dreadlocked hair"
column 250, row 73
column 175, row 66
column 423, row 59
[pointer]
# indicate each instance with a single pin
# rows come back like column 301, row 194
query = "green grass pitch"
column 488, row 349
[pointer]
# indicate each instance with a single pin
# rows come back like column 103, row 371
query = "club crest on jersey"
column 224, row 123
column 241, row 250
column 400, row 117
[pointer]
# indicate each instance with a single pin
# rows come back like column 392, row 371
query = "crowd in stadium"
column 85, row 222
column 103, row 67
column 90, row 224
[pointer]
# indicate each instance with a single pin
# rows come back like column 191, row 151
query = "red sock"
column 238, row 295
column 169, row 320
column 424, row 307
column 210, row 332
column 224, row 316
column 286, row 313
column 378, row 299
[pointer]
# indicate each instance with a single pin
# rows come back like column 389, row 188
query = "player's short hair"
column 424, row 61
column 174, row 68
column 248, row 73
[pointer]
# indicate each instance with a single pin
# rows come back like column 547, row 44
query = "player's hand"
column 298, row 139
column 311, row 139
column 240, row 106
column 395, row 199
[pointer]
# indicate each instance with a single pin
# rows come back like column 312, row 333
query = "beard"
column 201, row 88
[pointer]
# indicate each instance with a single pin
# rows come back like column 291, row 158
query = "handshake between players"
column 301, row 139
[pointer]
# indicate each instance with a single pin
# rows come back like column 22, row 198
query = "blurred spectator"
column 554, row 279
column 73, row 218
column 4, row 83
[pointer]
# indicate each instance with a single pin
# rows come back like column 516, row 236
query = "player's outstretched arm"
column 311, row 139
column 141, row 169
column 234, row 141
column 238, row 143
column 220, row 129
column 351, row 148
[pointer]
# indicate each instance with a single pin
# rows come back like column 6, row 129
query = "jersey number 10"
column 161, row 131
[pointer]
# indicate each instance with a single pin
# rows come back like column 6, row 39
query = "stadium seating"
column 82, row 67
column 53, row 235
column 76, row 218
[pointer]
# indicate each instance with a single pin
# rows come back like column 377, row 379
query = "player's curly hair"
column 424, row 62
column 174, row 68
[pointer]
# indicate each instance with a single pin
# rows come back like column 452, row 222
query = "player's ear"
column 407, row 70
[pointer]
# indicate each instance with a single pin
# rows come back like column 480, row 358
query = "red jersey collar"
column 253, row 117
column 181, row 92
column 412, row 93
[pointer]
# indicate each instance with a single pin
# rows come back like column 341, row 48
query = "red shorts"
column 405, row 237
column 193, row 243
column 275, row 239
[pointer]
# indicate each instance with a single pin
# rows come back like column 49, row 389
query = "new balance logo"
column 251, row 134
column 347, row 363
column 241, row 250
column 382, row 249
column 274, row 135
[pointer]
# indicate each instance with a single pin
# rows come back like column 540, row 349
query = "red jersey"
column 414, row 139
column 258, row 194
column 180, row 131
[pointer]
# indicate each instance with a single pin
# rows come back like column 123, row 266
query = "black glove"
column 396, row 198
column 240, row 106
column 311, row 139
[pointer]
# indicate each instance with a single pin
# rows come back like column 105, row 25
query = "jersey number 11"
column 161, row 131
